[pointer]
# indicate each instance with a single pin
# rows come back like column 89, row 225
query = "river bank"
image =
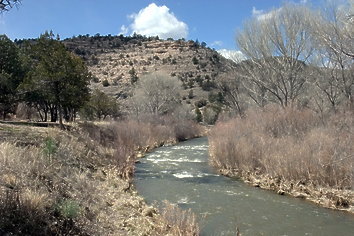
column 290, row 151
column 337, row 199
column 76, row 182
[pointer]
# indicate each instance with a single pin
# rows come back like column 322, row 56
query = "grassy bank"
column 290, row 151
column 56, row 182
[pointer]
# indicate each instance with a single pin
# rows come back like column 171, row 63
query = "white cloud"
column 217, row 43
column 234, row 55
column 303, row 1
column 123, row 30
column 256, row 12
column 156, row 20
column 261, row 15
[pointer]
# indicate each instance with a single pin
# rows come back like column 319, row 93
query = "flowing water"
column 181, row 175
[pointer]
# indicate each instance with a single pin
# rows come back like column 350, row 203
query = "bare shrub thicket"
column 133, row 136
column 178, row 221
column 127, row 138
column 288, row 144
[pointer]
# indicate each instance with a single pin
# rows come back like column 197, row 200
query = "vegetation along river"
column 181, row 175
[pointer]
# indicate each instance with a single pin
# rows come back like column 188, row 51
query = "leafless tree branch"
column 6, row 5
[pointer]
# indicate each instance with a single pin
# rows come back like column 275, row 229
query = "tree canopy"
column 11, row 74
column 58, row 80
column 100, row 106
column 156, row 93
column 275, row 48
column 296, row 54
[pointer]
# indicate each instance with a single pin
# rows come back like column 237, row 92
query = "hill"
column 116, row 62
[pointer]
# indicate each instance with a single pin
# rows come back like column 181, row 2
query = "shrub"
column 218, row 97
column 105, row 83
column 133, row 76
column 190, row 94
column 94, row 60
column 50, row 146
column 95, row 79
column 195, row 60
column 208, row 85
column 190, row 83
column 201, row 103
column 198, row 115
column 182, row 222
column 211, row 114
column 68, row 209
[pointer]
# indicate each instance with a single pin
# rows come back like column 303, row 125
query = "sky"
column 210, row 21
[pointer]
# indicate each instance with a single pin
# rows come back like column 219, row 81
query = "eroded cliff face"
column 118, row 60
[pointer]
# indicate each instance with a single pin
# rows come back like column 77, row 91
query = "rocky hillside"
column 117, row 62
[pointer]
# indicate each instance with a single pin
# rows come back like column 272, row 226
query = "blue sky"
column 214, row 22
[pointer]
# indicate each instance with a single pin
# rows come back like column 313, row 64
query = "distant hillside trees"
column 57, row 83
column 11, row 74
column 133, row 76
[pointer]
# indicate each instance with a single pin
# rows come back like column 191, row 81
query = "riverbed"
column 181, row 175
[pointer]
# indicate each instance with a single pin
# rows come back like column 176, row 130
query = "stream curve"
column 181, row 175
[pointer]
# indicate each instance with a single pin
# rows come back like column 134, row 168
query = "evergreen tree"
column 100, row 106
column 199, row 116
column 11, row 74
column 58, row 81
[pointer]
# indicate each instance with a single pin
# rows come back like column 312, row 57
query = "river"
column 181, row 175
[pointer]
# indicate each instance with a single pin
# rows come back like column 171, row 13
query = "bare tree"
column 327, row 80
column 336, row 27
column 231, row 89
column 333, row 31
column 156, row 93
column 277, row 47
column 6, row 5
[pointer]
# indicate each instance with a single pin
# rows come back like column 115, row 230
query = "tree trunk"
column 61, row 125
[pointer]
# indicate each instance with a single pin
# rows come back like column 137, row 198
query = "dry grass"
column 289, row 145
column 70, row 183
column 179, row 222
column 127, row 138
